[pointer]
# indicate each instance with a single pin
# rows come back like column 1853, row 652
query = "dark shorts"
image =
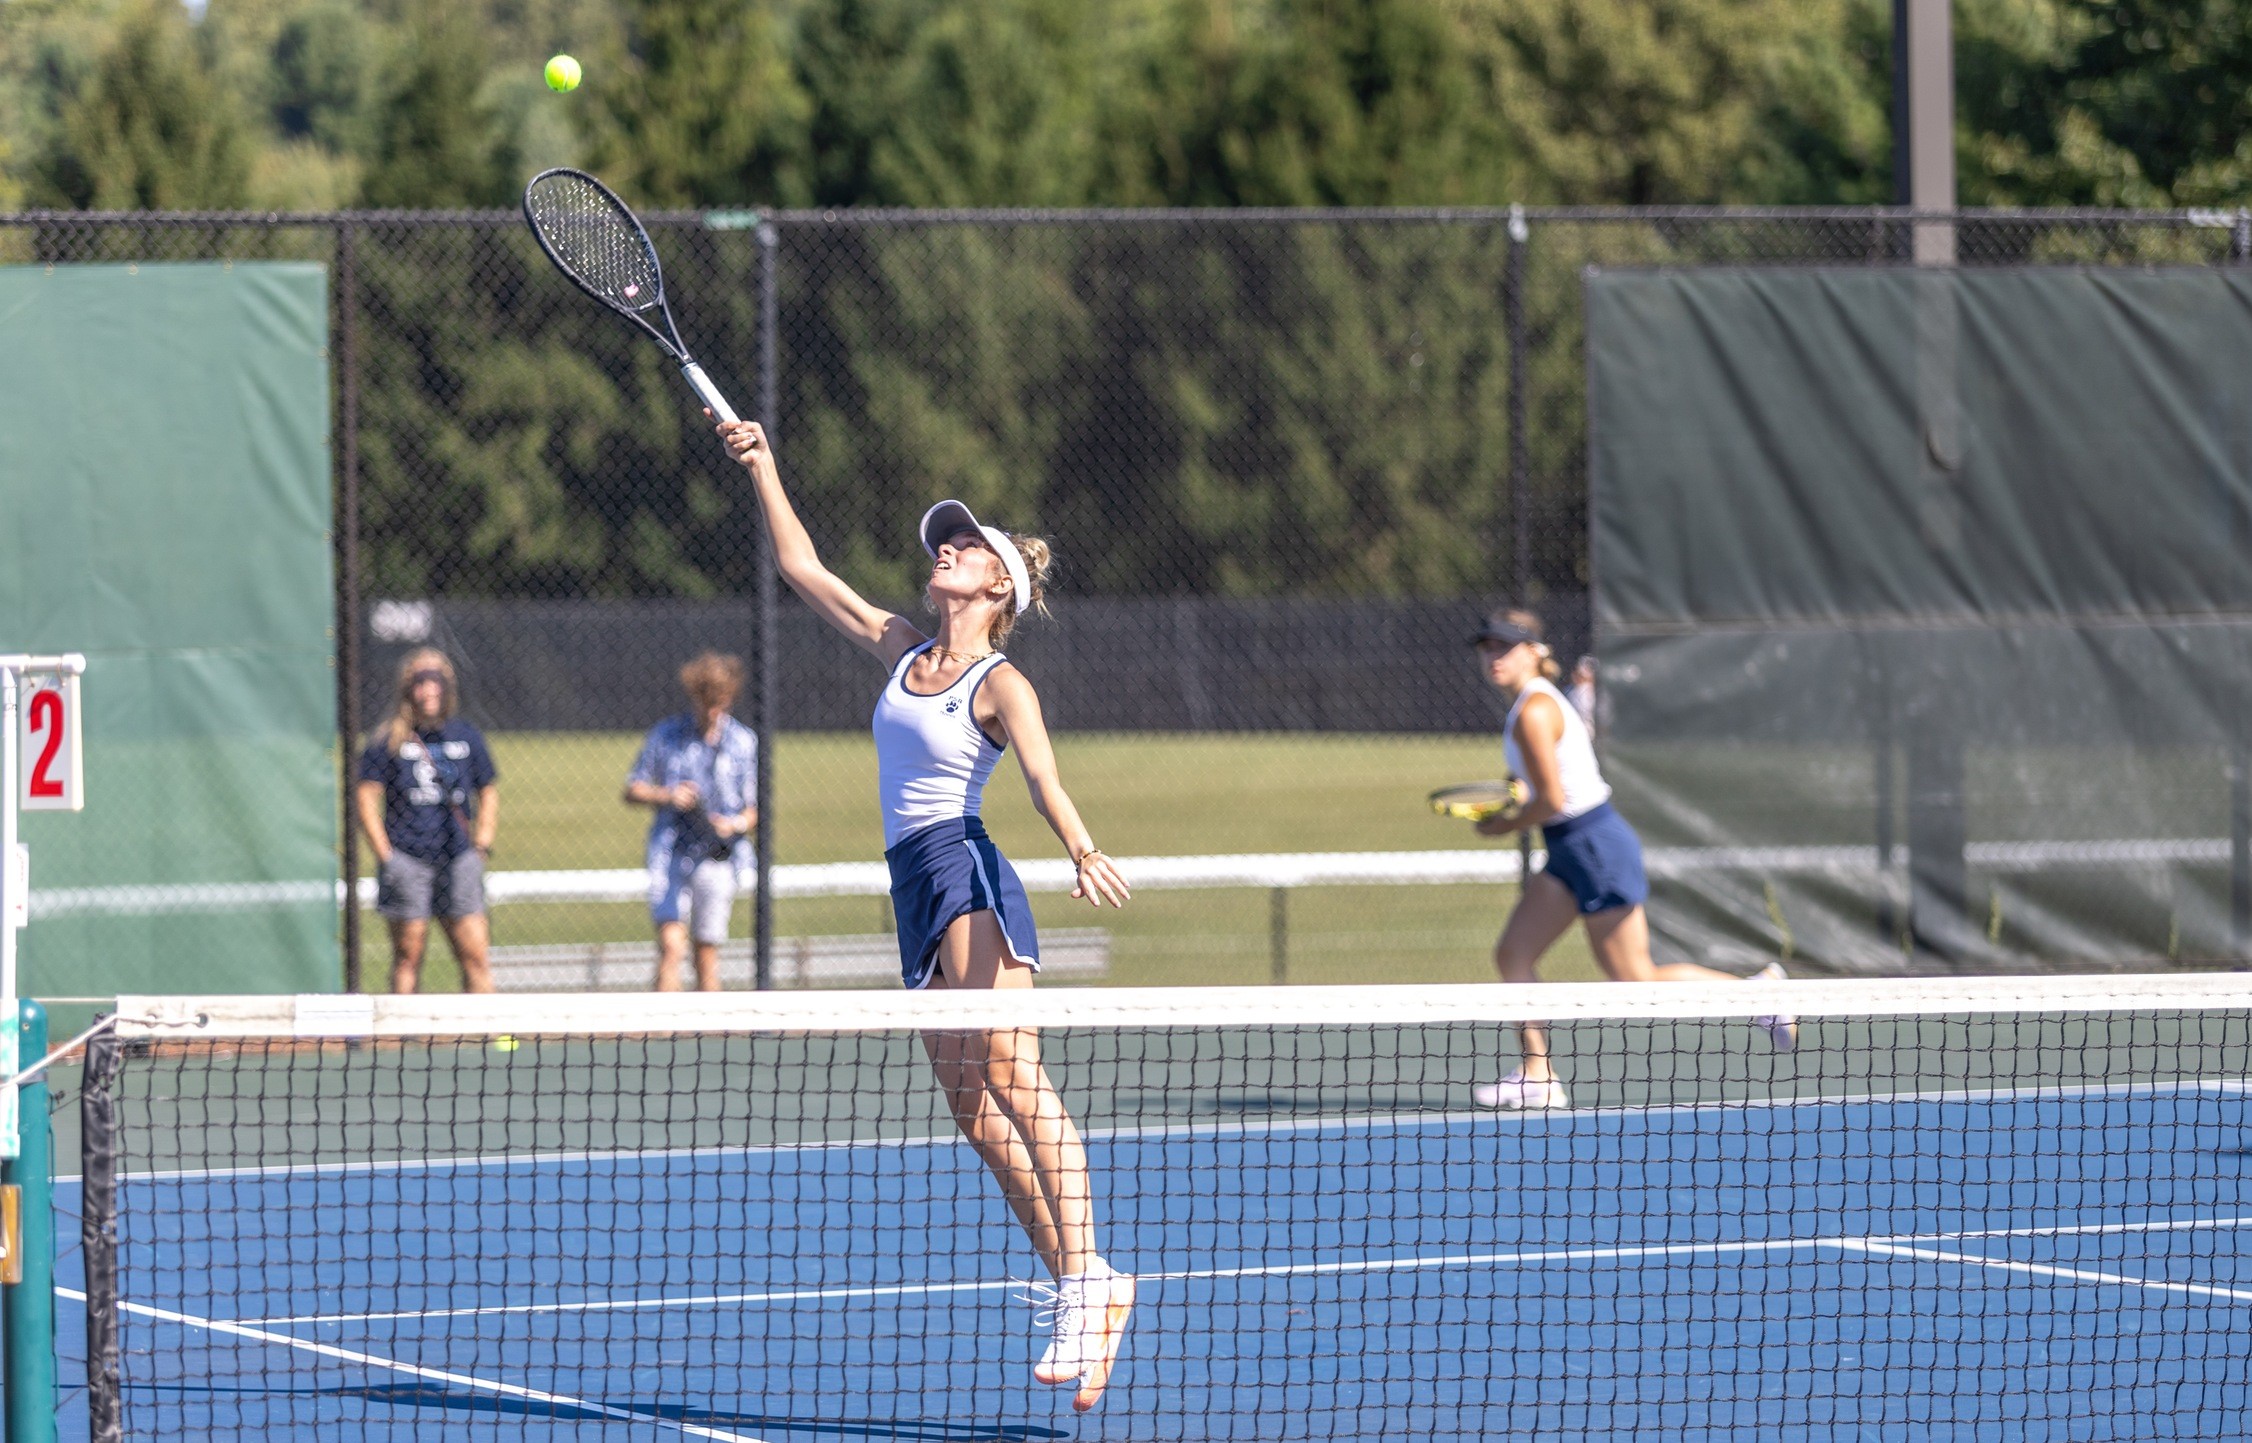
column 1599, row 857
column 409, row 888
column 948, row 870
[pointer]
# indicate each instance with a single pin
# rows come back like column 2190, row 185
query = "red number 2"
column 47, row 716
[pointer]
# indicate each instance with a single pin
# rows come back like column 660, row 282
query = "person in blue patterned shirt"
column 698, row 771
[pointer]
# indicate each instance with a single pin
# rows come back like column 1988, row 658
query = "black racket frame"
column 673, row 345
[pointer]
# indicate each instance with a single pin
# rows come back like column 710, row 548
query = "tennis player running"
column 1594, row 869
column 952, row 704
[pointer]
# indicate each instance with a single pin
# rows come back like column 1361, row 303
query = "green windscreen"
column 164, row 470
column 1923, row 599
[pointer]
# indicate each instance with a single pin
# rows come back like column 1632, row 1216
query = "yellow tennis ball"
column 562, row 73
column 505, row 1043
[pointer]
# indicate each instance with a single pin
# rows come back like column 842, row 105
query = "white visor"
column 948, row 517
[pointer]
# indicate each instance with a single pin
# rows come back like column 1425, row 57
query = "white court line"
column 460, row 1380
column 2068, row 1230
column 1373, row 1122
column 2080, row 1275
column 1275, row 1270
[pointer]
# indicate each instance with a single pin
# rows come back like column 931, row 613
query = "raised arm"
column 882, row 633
column 1017, row 709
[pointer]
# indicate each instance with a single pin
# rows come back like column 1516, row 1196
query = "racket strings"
column 595, row 240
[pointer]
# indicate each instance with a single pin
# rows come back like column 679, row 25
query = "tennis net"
column 1956, row 1209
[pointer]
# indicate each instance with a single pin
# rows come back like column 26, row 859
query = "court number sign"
column 50, row 757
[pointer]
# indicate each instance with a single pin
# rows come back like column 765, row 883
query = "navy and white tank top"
column 1584, row 787
column 932, row 758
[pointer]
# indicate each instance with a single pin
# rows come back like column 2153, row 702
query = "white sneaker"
column 1518, row 1093
column 1061, row 1309
column 1086, row 1318
column 1781, row 1028
column 1099, row 1353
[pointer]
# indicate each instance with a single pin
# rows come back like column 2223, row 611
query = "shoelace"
column 1052, row 1307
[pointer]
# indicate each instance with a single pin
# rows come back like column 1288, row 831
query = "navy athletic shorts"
column 1599, row 857
column 947, row 870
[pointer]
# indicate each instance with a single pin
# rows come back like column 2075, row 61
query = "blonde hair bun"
column 1039, row 563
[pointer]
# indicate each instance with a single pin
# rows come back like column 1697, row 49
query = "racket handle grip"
column 702, row 385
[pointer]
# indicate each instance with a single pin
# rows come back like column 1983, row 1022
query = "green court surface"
column 1141, row 794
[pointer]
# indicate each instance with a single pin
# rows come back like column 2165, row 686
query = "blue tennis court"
column 2023, row 1265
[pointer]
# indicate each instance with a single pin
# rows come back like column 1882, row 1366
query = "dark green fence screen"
column 1925, row 609
column 164, row 471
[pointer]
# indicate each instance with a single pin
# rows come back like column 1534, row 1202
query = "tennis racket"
column 599, row 247
column 1476, row 801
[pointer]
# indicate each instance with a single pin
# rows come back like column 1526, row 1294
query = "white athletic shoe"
column 1099, row 1353
column 1086, row 1318
column 1781, row 1028
column 1517, row 1093
column 1062, row 1310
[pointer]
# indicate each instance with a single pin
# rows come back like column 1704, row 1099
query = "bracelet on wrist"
column 1081, row 859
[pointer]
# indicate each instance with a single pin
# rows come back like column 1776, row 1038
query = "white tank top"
column 932, row 758
column 1584, row 787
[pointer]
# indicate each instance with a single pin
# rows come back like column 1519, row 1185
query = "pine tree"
column 1654, row 102
column 996, row 103
column 1365, row 102
column 701, row 108
column 2142, row 103
column 317, row 75
column 845, row 56
column 438, row 143
column 150, row 129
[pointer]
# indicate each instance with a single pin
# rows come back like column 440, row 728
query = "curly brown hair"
column 713, row 678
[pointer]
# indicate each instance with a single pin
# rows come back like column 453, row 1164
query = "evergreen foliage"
column 437, row 141
column 1303, row 408
column 149, row 128
column 299, row 103
column 698, row 106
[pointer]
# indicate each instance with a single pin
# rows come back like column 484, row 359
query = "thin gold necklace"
column 938, row 650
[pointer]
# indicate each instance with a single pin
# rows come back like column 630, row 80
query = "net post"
column 97, row 1119
column 769, row 658
column 29, row 1309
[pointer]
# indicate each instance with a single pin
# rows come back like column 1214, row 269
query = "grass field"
column 1140, row 795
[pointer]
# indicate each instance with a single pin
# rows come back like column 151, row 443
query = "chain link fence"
column 1285, row 459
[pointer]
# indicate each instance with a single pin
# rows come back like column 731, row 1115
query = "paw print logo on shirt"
column 953, row 706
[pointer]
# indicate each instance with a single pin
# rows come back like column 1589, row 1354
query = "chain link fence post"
column 769, row 602
column 348, row 584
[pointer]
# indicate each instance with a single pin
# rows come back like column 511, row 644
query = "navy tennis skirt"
column 1599, row 857
column 947, row 870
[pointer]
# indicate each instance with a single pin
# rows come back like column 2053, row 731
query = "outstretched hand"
column 746, row 443
column 1100, row 882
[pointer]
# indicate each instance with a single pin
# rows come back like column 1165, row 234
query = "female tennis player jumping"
column 953, row 703
column 1594, row 869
